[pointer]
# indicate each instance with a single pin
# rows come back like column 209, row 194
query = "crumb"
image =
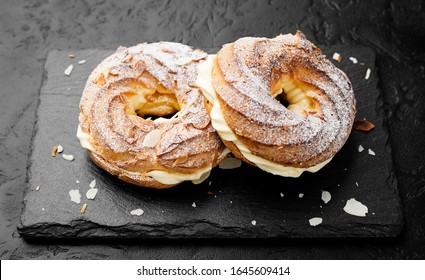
column 194, row 205
column 78, row 181
column 253, row 222
column 210, row 193
column 372, row 153
column 68, row 70
column 71, row 55
column 54, row 151
column 367, row 74
column 315, row 221
column 301, row 195
column 137, row 212
column 337, row 57
column 83, row 209
column 357, row 184
column 353, row 59
column 363, row 125
column 82, row 61
column 282, row 195
column 361, row 149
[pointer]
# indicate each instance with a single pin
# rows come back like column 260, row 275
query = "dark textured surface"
column 29, row 29
column 240, row 195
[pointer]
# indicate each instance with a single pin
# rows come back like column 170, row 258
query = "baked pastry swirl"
column 240, row 84
column 149, row 80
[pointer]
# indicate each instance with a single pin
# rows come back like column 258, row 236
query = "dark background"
column 395, row 29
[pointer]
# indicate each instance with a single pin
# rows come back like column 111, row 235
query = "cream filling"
column 164, row 177
column 204, row 81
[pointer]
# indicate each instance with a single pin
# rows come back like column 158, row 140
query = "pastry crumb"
column 337, row 57
column 71, row 55
column 194, row 205
column 83, row 209
column 54, row 151
column 254, row 222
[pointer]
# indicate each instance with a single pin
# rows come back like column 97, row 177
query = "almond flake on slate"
column 367, row 74
column 254, row 222
column 326, row 196
column 137, row 212
column 301, row 195
column 68, row 157
column 54, row 151
column 372, row 153
column 337, row 57
column 82, row 61
column 83, row 209
column 78, row 181
column 363, row 125
column 355, row 208
column 357, row 184
column 281, row 195
column 75, row 196
column 92, row 184
column 353, row 59
column 230, row 163
column 60, row 149
column 91, row 193
column 315, row 221
column 152, row 138
column 194, row 205
column 68, row 70
column 37, row 188
column 71, row 55
column 361, row 149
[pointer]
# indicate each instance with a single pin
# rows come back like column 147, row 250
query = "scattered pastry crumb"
column 367, row 74
column 71, row 55
column 337, row 57
column 92, row 184
column 215, row 196
column 361, row 149
column 91, row 193
column 345, row 169
column 194, row 205
column 82, row 61
column 230, row 163
column 209, row 184
column 353, row 59
column 326, row 196
column 282, row 195
column 75, row 196
column 78, row 181
column 363, row 125
column 355, row 208
column 152, row 138
column 68, row 70
column 137, row 212
column 315, row 221
column 60, row 149
column 372, row 153
column 42, row 209
column 253, row 222
column 68, row 157
column 373, row 213
column 37, row 188
column 320, row 206
column 231, row 202
column 54, row 151
column 300, row 195
column 83, row 209
column 357, row 184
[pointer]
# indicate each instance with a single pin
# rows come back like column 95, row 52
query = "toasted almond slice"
column 54, row 151
column 68, row 157
column 83, row 209
column 71, row 55
column 337, row 57
column 68, row 70
column 60, row 149
column 152, row 138
column 315, row 221
column 363, row 125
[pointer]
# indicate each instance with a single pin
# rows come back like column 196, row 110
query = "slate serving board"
column 240, row 196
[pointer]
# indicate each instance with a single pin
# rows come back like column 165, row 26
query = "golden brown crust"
column 246, row 74
column 129, row 146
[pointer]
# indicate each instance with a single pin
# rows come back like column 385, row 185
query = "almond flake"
column 315, row 221
column 230, row 163
column 137, row 212
column 254, row 222
column 301, row 195
column 282, row 195
column 37, row 188
column 75, row 196
column 337, row 57
column 60, row 149
column 372, row 153
column 77, row 181
column 326, row 196
column 71, row 55
column 194, row 205
column 91, row 193
column 92, row 184
column 83, row 209
column 54, row 151
column 68, row 70
column 361, row 149
column 363, row 125
column 355, row 208
column 68, row 157
column 353, row 59
column 82, row 61
column 367, row 74
column 152, row 138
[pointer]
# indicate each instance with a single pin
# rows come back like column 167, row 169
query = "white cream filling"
column 164, row 177
column 204, row 81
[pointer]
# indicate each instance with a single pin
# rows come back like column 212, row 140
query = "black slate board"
column 240, row 195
